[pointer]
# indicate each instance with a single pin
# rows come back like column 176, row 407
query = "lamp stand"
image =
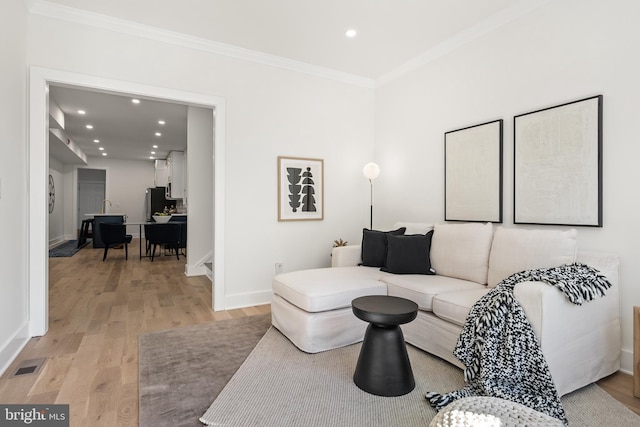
column 371, row 206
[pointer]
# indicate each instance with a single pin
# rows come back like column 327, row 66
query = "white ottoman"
column 313, row 307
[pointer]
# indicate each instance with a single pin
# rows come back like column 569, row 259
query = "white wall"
column 199, row 160
column 126, row 183
column 270, row 111
column 564, row 51
column 13, row 182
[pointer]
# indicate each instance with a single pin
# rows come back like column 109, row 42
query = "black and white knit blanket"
column 499, row 349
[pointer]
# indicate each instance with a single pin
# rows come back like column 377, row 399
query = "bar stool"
column 85, row 232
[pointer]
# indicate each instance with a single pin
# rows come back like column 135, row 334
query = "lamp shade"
column 371, row 170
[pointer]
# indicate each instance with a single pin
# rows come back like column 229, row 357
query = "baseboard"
column 626, row 361
column 195, row 270
column 13, row 347
column 248, row 299
column 56, row 241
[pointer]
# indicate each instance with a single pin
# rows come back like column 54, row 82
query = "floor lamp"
column 371, row 172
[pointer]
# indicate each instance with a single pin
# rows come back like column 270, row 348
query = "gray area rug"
column 278, row 385
column 65, row 249
column 183, row 370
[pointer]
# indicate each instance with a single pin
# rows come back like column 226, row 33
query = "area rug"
column 65, row 249
column 278, row 385
column 183, row 370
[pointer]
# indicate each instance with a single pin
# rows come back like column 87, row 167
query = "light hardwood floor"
column 97, row 311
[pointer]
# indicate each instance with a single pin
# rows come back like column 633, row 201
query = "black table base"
column 383, row 366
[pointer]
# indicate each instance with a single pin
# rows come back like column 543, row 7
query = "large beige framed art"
column 558, row 165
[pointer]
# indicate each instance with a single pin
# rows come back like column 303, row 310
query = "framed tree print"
column 558, row 165
column 300, row 189
column 473, row 173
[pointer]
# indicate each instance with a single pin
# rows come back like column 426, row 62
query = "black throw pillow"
column 374, row 246
column 408, row 254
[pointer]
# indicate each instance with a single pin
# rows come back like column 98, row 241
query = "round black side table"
column 383, row 366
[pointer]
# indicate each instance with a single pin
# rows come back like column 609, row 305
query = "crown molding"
column 82, row 17
column 495, row 21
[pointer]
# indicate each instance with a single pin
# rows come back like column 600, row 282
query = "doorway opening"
column 40, row 79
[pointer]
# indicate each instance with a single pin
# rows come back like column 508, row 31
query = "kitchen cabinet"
column 177, row 171
column 161, row 178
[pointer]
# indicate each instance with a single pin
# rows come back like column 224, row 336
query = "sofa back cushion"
column 414, row 227
column 515, row 249
column 462, row 250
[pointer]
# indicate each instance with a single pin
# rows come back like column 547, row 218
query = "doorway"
column 39, row 80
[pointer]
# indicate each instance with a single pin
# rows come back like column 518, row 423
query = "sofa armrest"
column 346, row 256
column 578, row 341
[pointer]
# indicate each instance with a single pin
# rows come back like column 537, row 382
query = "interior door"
column 90, row 197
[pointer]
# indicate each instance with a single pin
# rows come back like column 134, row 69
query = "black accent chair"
column 167, row 234
column 115, row 234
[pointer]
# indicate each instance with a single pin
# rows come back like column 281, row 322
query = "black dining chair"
column 182, row 244
column 114, row 234
column 167, row 234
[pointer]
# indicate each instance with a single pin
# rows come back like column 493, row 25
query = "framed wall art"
column 300, row 189
column 473, row 173
column 558, row 165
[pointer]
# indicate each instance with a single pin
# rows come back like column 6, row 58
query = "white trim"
column 626, row 361
column 96, row 20
column 13, row 347
column 248, row 299
column 39, row 79
column 486, row 26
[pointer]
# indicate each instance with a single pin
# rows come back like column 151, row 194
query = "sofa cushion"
column 422, row 289
column 462, row 250
column 414, row 227
column 455, row 306
column 408, row 254
column 516, row 249
column 323, row 289
column 374, row 246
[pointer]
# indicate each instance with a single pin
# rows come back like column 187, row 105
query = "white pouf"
column 490, row 412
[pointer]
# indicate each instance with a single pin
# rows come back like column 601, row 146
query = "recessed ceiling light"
column 96, row 141
column 161, row 122
column 158, row 134
column 82, row 112
column 350, row 33
column 89, row 126
column 104, row 154
column 151, row 157
column 135, row 101
column 101, row 148
column 153, row 152
column 155, row 146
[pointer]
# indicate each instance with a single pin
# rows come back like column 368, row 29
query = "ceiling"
column 390, row 33
column 124, row 130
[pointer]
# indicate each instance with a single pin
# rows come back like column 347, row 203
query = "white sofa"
column 581, row 343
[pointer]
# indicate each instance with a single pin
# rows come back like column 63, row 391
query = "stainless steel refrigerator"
column 154, row 201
